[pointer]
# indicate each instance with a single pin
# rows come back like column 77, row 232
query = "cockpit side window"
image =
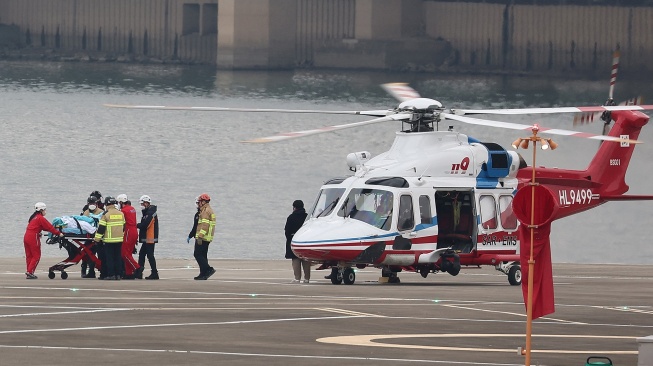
column 372, row 206
column 326, row 201
column 406, row 215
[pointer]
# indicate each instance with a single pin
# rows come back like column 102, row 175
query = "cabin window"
column 371, row 206
column 326, row 201
column 488, row 212
column 406, row 215
column 425, row 210
column 508, row 218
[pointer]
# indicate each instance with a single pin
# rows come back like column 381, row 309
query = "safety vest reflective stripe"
column 111, row 235
column 207, row 235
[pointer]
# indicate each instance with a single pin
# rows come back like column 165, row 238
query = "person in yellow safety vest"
column 111, row 231
column 203, row 236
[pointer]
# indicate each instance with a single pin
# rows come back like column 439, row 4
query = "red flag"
column 543, row 298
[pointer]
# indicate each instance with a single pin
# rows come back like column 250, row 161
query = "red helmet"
column 204, row 197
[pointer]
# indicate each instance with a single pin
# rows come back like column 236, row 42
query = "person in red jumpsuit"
column 32, row 239
column 131, row 237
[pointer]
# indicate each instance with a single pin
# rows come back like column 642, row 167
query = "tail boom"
column 574, row 191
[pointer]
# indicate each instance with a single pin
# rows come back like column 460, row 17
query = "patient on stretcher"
column 76, row 225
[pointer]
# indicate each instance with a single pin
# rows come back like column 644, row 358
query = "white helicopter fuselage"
column 445, row 192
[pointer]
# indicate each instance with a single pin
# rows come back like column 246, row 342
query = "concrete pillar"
column 645, row 351
column 389, row 19
column 256, row 34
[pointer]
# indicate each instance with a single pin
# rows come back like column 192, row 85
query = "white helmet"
column 122, row 198
column 38, row 206
column 145, row 198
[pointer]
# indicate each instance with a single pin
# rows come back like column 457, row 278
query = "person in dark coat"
column 148, row 236
column 293, row 223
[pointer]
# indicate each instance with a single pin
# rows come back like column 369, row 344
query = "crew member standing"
column 32, row 239
column 132, row 269
column 111, row 230
column 204, row 236
column 148, row 236
column 295, row 221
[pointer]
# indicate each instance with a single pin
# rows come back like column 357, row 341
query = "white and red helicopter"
column 440, row 201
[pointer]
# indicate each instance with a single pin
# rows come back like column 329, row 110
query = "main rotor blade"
column 517, row 111
column 517, row 126
column 292, row 135
column 376, row 113
column 400, row 91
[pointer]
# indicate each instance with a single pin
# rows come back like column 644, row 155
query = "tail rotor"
column 606, row 116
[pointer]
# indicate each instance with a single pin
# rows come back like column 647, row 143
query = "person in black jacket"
column 148, row 236
column 293, row 223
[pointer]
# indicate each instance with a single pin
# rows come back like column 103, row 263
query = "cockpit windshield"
column 326, row 201
column 372, row 206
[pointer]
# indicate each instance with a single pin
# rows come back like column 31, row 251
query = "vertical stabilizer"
column 611, row 161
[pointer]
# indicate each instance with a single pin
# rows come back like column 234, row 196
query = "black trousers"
column 200, row 253
column 102, row 256
column 113, row 258
column 147, row 250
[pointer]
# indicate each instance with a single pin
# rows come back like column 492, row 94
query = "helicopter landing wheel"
column 64, row 275
column 514, row 275
column 51, row 275
column 349, row 276
column 337, row 278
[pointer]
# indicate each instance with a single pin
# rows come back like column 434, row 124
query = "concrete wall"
column 287, row 33
column 542, row 38
column 320, row 21
column 257, row 33
column 138, row 27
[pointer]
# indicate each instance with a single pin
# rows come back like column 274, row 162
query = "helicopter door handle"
column 412, row 234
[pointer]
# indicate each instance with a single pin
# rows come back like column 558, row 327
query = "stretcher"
column 78, row 242
column 79, row 247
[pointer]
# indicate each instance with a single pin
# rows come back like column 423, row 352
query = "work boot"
column 209, row 273
column 90, row 274
column 153, row 276
column 138, row 274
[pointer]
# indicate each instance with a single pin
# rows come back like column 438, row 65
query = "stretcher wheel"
column 50, row 275
column 64, row 275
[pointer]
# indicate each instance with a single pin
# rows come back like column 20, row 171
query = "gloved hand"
column 188, row 240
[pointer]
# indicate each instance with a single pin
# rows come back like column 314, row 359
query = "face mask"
column 92, row 207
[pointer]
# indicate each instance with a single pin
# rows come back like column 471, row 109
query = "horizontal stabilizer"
column 631, row 197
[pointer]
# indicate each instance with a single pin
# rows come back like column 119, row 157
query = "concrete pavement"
column 249, row 313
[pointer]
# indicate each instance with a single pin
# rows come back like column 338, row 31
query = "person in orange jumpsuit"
column 32, row 239
column 131, row 237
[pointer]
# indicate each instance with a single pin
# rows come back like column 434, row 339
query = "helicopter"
column 441, row 201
